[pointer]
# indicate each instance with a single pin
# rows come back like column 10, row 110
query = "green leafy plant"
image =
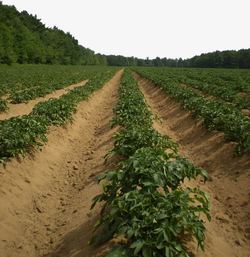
column 158, row 225
column 143, row 198
column 127, row 141
column 3, row 105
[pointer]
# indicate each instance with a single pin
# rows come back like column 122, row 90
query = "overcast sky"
column 148, row 28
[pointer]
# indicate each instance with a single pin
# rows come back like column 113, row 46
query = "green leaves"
column 119, row 251
column 156, row 222
column 26, row 82
column 216, row 114
column 127, row 141
column 20, row 135
column 144, row 201
column 3, row 105
column 149, row 169
column 137, row 246
column 56, row 111
column 131, row 110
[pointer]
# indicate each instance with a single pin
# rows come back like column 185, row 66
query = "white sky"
column 148, row 28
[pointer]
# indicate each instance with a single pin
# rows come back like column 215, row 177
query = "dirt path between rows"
column 228, row 234
column 45, row 199
column 26, row 108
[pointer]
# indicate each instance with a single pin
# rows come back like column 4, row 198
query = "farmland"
column 230, row 86
column 21, row 133
column 154, row 156
column 21, row 83
column 215, row 113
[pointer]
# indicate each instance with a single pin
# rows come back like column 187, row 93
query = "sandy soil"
column 25, row 108
column 245, row 94
column 228, row 234
column 45, row 199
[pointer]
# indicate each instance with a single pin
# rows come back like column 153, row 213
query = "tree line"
column 25, row 39
column 217, row 59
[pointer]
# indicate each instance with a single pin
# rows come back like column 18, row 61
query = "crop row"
column 143, row 198
column 219, row 90
column 233, row 79
column 21, row 134
column 208, row 83
column 215, row 114
column 26, row 82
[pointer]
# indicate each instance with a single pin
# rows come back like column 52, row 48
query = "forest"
column 25, row 39
column 217, row 59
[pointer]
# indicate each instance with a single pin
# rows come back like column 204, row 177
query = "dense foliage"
column 20, row 134
column 144, row 200
column 215, row 114
column 220, row 59
column 25, row 39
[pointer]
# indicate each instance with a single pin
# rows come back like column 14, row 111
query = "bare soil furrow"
column 228, row 234
column 45, row 199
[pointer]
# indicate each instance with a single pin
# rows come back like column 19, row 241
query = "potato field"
column 101, row 161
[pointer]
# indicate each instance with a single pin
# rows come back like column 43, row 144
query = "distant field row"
column 216, row 114
column 21, row 83
column 229, row 85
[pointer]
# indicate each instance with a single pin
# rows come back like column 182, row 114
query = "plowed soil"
column 228, row 234
column 45, row 199
column 25, row 108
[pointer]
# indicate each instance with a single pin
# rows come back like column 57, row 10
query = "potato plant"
column 127, row 141
column 143, row 198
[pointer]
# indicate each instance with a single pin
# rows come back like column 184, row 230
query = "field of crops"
column 21, row 83
column 231, row 86
column 19, row 134
column 152, row 221
column 222, row 113
column 140, row 162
